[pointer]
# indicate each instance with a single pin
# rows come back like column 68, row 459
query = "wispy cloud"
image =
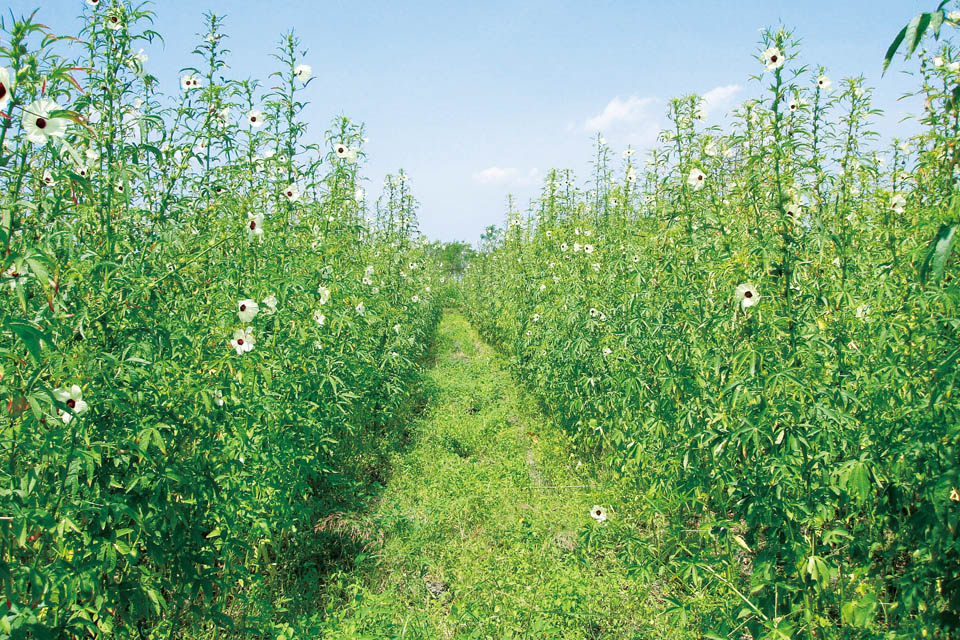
column 635, row 120
column 506, row 175
column 619, row 112
column 719, row 100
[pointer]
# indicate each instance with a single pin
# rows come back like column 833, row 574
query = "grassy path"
column 469, row 543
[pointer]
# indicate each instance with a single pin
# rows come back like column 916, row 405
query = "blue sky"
column 477, row 100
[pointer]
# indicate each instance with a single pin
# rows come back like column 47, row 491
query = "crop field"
column 707, row 391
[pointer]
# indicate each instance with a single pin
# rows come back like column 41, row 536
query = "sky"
column 479, row 100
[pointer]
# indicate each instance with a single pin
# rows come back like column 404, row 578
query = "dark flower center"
column 773, row 59
column 240, row 341
column 243, row 307
column 41, row 123
column 71, row 403
column 598, row 512
column 748, row 294
column 253, row 224
column 3, row 90
column 253, row 118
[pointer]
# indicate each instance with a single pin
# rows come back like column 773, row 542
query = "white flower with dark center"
column 341, row 150
column 628, row 153
column 607, row 351
column 73, row 398
column 247, row 310
column 898, row 204
column 588, row 248
column 243, row 340
column 218, row 398
column 6, row 87
column 119, row 188
column 38, row 124
column 696, row 179
column 536, row 317
column 292, row 193
column 792, row 209
column 93, row 3
column 563, row 246
column 824, row 83
column 255, row 226
column 360, row 309
column 48, row 180
column 415, row 298
column 631, row 175
column 772, row 58
column 795, row 103
column 319, row 317
column 189, row 82
column 303, row 72
column 17, row 274
column 746, row 295
column 593, row 312
column 598, row 513
column 324, row 294
column 83, row 172
column 271, row 304
column 255, row 118
column 114, row 21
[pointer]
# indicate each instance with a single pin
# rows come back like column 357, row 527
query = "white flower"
column 271, row 304
column 536, row 317
column 954, row 66
column 243, row 340
column 863, row 311
column 858, row 92
column 563, row 246
column 710, row 149
column 48, row 180
column 359, row 195
column 319, row 317
column 696, row 179
column 247, row 310
column 607, row 351
column 324, row 294
column 16, row 273
column 137, row 62
column 746, row 295
column 303, row 72
column 631, row 175
column 415, row 298
column 898, row 204
column 341, row 150
column 93, row 3
column 255, row 226
column 937, row 62
column 628, row 153
column 6, row 87
column 824, row 83
column 38, row 124
column 360, row 309
column 396, row 329
column 588, row 248
column 795, row 103
column 255, row 118
column 576, row 247
column 292, row 192
column 598, row 513
column 189, row 82
column 593, row 312
column 218, row 398
column 73, row 398
column 113, row 21
column 953, row 16
column 772, row 58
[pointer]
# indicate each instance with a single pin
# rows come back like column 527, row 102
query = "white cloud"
column 506, row 175
column 720, row 99
column 632, row 111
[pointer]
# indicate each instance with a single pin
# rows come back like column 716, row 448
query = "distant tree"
column 454, row 257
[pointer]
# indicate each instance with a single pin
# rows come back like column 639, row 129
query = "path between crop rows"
column 473, row 543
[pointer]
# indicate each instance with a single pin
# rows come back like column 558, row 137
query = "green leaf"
column 31, row 336
column 892, row 50
column 939, row 253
